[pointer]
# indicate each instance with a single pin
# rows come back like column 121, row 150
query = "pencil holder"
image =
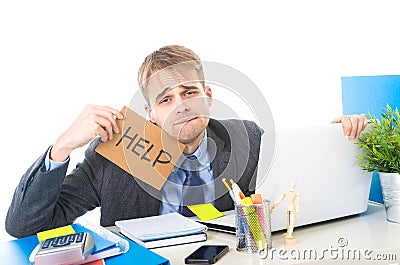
column 253, row 227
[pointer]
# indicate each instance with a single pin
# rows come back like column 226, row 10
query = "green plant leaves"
column 380, row 145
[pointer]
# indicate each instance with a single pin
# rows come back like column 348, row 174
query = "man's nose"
column 181, row 105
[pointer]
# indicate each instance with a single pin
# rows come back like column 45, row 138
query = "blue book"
column 137, row 255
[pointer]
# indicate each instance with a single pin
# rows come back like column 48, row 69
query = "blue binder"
column 18, row 251
column 137, row 255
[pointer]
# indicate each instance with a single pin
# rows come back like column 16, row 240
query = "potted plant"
column 380, row 152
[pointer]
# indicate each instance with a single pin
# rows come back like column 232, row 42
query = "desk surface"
column 338, row 240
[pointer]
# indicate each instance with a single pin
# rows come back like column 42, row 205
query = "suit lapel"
column 220, row 155
column 218, row 151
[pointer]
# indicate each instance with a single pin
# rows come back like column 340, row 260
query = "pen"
column 237, row 190
column 230, row 190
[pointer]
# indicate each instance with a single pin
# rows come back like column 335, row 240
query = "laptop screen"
column 323, row 162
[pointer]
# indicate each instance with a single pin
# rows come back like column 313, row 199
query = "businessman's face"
column 179, row 104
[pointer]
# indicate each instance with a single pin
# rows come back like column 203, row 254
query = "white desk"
column 367, row 231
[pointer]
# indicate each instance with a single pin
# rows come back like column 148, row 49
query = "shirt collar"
column 201, row 153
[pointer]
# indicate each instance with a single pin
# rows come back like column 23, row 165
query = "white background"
column 56, row 57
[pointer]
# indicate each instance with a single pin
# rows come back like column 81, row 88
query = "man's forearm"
column 33, row 204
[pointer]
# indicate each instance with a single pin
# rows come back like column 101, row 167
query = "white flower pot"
column 390, row 183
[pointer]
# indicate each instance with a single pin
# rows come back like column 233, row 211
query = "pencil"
column 226, row 184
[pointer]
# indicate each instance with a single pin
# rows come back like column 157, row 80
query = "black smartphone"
column 207, row 254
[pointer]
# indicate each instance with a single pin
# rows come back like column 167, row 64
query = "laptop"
column 323, row 163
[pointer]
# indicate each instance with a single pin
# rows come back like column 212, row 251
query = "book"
column 161, row 227
column 137, row 254
column 96, row 262
column 106, row 243
column 171, row 241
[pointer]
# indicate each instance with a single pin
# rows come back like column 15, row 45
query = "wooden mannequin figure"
column 291, row 211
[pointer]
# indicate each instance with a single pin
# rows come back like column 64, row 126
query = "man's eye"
column 189, row 93
column 164, row 100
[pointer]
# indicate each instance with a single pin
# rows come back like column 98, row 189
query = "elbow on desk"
column 22, row 225
column 16, row 226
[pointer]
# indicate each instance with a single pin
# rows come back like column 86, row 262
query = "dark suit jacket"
column 44, row 200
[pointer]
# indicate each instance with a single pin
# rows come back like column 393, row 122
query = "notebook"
column 162, row 230
column 171, row 241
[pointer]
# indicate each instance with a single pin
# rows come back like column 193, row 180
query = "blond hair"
column 164, row 57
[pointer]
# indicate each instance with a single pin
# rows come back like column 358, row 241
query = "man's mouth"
column 185, row 120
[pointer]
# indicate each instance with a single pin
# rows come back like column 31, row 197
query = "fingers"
column 352, row 125
column 93, row 121
column 359, row 123
column 104, row 120
column 362, row 124
column 336, row 120
column 109, row 116
column 346, row 123
column 116, row 113
column 364, row 121
column 103, row 128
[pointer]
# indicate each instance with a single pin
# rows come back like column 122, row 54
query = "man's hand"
column 353, row 125
column 93, row 121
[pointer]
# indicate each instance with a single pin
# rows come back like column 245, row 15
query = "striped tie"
column 192, row 190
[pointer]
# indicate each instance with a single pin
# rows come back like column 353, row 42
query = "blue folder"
column 137, row 255
column 18, row 251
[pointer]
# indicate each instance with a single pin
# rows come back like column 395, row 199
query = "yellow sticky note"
column 60, row 231
column 206, row 212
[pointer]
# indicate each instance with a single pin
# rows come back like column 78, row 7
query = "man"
column 172, row 82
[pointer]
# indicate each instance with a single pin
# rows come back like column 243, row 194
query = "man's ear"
column 148, row 111
column 208, row 92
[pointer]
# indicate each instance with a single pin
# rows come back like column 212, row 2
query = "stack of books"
column 163, row 230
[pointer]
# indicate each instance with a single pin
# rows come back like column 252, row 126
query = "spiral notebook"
column 153, row 231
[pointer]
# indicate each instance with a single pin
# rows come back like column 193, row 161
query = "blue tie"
column 192, row 190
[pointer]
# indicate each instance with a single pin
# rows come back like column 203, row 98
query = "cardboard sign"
column 142, row 149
